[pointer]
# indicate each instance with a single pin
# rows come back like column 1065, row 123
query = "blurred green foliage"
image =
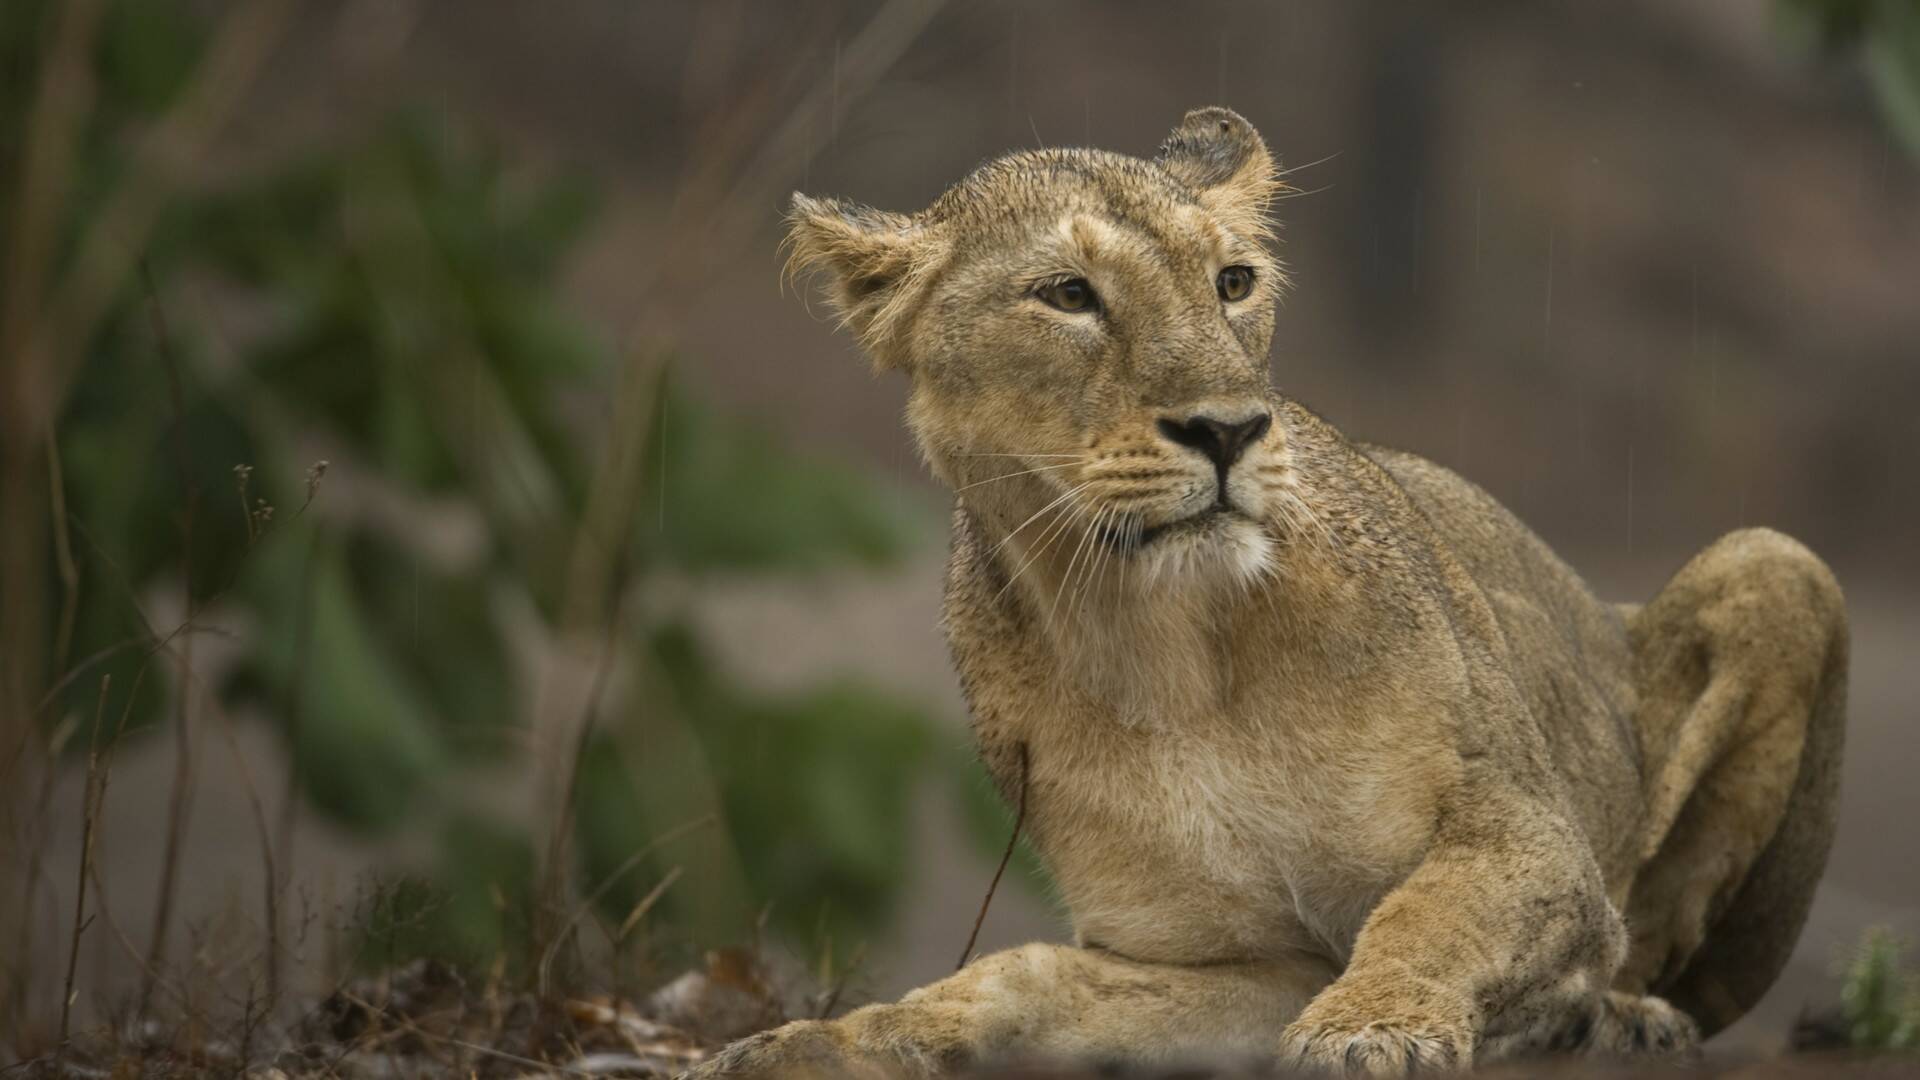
column 389, row 299
column 821, row 778
column 1887, row 32
column 1880, row 995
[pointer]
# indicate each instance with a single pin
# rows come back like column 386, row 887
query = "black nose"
column 1222, row 441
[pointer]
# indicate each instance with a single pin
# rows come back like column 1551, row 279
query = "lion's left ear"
column 872, row 260
column 1222, row 158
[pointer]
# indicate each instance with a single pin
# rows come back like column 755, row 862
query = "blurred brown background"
column 1647, row 271
column 1643, row 270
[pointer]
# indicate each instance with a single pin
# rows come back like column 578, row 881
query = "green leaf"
column 364, row 743
column 1879, row 997
column 1888, row 31
column 722, row 495
column 123, row 477
column 1893, row 62
column 817, row 787
column 439, row 630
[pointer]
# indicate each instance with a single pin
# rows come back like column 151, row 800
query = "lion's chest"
column 1206, row 842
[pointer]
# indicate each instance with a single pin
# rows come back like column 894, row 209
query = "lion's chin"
column 1221, row 547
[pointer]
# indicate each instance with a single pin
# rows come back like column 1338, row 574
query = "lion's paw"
column 1380, row 1048
column 1636, row 1025
column 802, row 1049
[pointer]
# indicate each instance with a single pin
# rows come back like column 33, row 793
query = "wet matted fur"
column 1331, row 759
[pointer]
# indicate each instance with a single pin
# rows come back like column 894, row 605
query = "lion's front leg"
column 1043, row 1002
column 1502, row 940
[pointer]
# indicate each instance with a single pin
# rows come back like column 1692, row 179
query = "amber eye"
column 1234, row 283
column 1070, row 294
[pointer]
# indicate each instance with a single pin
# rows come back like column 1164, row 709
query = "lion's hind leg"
column 1572, row 1018
column 1636, row 1025
column 1741, row 664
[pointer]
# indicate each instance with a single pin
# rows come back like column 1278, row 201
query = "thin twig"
column 846, row 975
column 105, row 913
column 262, row 831
column 98, row 656
column 180, row 796
column 559, row 845
column 90, row 797
column 156, row 642
column 645, row 905
column 63, row 556
column 1019, row 819
column 290, row 799
column 488, row 1051
column 61, row 104
column 118, row 228
column 69, row 607
column 585, row 905
column 62, row 97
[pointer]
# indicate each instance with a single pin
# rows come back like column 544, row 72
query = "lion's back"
column 1496, row 548
column 1569, row 649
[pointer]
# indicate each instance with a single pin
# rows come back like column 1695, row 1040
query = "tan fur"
column 1355, row 772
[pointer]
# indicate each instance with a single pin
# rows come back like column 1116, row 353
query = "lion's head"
column 1086, row 334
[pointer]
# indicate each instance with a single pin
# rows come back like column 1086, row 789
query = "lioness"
column 1330, row 757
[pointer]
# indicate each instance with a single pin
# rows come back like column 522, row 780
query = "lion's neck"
column 1152, row 649
column 1152, row 662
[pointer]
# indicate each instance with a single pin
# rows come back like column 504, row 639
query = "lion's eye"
column 1234, row 283
column 1071, row 294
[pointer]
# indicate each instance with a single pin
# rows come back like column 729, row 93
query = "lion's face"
column 1087, row 335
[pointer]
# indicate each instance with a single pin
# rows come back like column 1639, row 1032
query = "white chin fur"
column 1236, row 552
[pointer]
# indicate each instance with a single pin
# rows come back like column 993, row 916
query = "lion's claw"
column 802, row 1049
column 1375, row 1049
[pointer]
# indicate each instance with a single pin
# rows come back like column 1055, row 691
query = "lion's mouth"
column 1204, row 521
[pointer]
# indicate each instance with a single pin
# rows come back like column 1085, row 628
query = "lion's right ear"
column 1218, row 154
column 871, row 259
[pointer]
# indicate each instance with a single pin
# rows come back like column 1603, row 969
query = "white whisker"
column 1011, row 475
column 1016, row 532
column 1066, row 576
column 1080, row 457
column 1097, row 556
column 1098, row 563
column 1047, row 538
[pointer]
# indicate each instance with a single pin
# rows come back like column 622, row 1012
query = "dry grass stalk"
column 92, row 796
column 1019, row 819
column 63, row 96
column 63, row 556
column 596, row 571
column 37, row 825
column 645, row 905
column 180, row 794
column 839, row 984
column 289, row 798
column 62, row 101
column 557, row 859
column 552, row 949
column 42, row 323
column 406, row 1024
column 263, row 835
column 152, row 965
column 115, row 239
column 262, row 832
